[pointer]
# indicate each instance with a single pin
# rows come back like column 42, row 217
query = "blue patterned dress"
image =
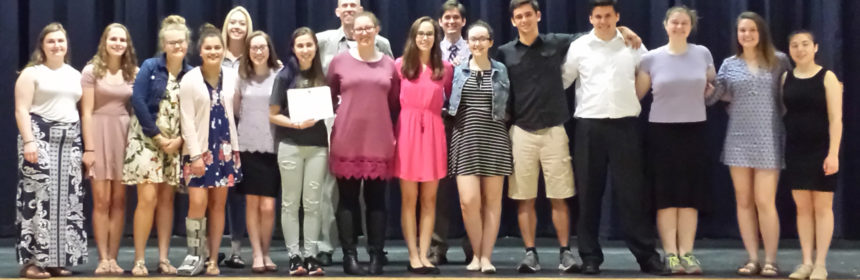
column 222, row 163
column 755, row 134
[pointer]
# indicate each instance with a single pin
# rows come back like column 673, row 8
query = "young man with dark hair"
column 607, row 139
column 538, row 105
column 452, row 18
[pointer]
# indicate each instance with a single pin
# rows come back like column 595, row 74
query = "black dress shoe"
column 590, row 268
column 351, row 266
column 654, row 266
column 377, row 260
column 324, row 258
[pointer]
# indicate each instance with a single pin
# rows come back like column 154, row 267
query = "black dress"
column 807, row 133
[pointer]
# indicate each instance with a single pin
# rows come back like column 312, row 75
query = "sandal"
column 234, row 261
column 770, row 270
column 103, row 268
column 33, row 271
column 165, row 268
column 139, row 268
column 270, row 265
column 212, row 268
column 58, row 271
column 750, row 268
column 115, row 269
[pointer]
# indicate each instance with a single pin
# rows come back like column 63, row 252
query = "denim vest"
column 148, row 90
column 501, row 89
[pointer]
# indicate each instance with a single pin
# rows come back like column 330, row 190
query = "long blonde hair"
column 128, row 61
column 38, row 56
column 249, row 24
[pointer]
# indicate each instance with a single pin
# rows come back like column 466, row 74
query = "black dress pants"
column 612, row 147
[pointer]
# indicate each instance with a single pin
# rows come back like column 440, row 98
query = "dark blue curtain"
column 833, row 21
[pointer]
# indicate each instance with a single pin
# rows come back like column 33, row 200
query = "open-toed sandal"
column 139, row 268
column 770, row 270
column 115, row 269
column 58, row 271
column 165, row 268
column 750, row 268
column 103, row 268
column 212, row 268
column 32, row 271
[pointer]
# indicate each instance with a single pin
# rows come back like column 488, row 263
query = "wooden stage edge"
column 281, row 277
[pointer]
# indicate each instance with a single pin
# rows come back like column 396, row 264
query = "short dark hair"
column 603, row 3
column 802, row 31
column 452, row 5
column 481, row 23
column 517, row 3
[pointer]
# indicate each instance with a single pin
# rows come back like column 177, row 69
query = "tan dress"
column 109, row 123
column 145, row 162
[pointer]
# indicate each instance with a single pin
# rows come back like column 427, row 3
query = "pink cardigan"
column 194, row 106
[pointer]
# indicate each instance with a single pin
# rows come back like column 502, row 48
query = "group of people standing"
column 222, row 133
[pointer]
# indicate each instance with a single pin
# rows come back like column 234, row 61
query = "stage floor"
column 719, row 259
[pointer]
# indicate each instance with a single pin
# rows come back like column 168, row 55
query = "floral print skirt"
column 50, row 198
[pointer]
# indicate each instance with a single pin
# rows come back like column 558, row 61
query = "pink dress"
column 422, row 153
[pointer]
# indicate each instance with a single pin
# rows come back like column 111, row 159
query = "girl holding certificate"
column 362, row 140
column 421, row 157
column 257, row 70
column 302, row 155
column 210, row 154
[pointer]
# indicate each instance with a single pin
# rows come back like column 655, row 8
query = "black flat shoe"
column 590, row 268
column 654, row 266
column 417, row 270
column 235, row 261
column 324, row 258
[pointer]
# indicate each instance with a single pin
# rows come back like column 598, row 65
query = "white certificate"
column 310, row 103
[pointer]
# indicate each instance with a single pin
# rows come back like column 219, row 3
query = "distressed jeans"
column 303, row 172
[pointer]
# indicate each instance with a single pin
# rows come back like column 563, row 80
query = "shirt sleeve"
column 333, row 81
column 88, row 79
column 139, row 96
column 570, row 68
column 722, row 86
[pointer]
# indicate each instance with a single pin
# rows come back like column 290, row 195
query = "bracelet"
column 28, row 142
column 89, row 151
column 194, row 158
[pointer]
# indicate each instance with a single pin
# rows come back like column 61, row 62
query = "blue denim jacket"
column 148, row 90
column 501, row 89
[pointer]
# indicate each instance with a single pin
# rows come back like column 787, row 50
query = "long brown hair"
column 246, row 67
column 765, row 49
column 316, row 76
column 411, row 67
column 128, row 61
column 38, row 56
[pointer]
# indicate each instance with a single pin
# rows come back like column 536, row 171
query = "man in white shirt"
column 452, row 18
column 334, row 41
column 607, row 139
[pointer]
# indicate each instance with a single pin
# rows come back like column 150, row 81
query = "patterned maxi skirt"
column 50, row 199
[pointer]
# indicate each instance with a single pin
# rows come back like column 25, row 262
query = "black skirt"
column 678, row 163
column 260, row 174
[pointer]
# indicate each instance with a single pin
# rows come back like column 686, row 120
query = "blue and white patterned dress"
column 755, row 135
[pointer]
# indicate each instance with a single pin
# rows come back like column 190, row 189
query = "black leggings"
column 349, row 213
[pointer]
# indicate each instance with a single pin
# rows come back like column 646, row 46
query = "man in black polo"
column 539, row 141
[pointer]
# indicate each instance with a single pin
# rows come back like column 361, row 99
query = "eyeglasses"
column 424, row 34
column 366, row 29
column 175, row 42
column 261, row 48
column 478, row 39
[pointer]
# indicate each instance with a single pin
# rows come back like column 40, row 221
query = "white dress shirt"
column 606, row 71
column 461, row 46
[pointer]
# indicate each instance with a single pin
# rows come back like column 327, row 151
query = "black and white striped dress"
column 479, row 145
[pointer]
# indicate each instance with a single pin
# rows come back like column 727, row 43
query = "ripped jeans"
column 303, row 171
